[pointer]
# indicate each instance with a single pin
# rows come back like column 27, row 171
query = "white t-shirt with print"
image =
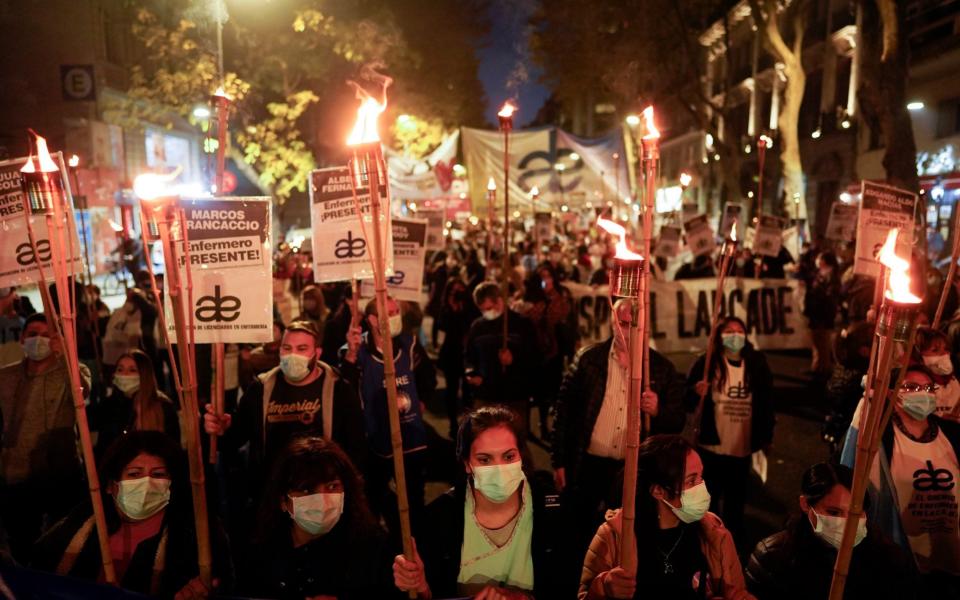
column 733, row 412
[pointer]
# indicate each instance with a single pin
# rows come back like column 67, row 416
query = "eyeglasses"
column 909, row 386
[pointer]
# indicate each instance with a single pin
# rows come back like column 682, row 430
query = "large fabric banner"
column 680, row 312
column 18, row 265
column 589, row 169
column 419, row 179
column 230, row 265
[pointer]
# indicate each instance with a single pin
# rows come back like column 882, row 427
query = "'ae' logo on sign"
column 350, row 247
column 397, row 278
column 223, row 309
column 26, row 256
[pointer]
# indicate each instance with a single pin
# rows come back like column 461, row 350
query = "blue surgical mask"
column 498, row 482
column 694, row 503
column 919, row 405
column 296, row 367
column 733, row 342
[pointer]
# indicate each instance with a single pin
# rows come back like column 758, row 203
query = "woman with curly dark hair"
column 315, row 533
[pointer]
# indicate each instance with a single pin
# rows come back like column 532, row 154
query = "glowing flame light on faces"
column 617, row 229
column 898, row 287
column 43, row 156
column 652, row 132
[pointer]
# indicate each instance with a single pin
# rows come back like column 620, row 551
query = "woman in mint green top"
column 487, row 535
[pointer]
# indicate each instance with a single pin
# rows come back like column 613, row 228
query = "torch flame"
column 43, row 156
column 507, row 110
column 535, row 191
column 150, row 186
column 898, row 286
column 491, row 185
column 222, row 93
column 649, row 125
column 685, row 179
column 365, row 129
column 733, row 232
column 617, row 229
column 74, row 161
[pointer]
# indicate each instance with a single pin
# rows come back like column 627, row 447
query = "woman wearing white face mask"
column 737, row 417
column 149, row 520
column 315, row 534
column 683, row 551
column 797, row 563
column 489, row 537
column 932, row 349
column 134, row 403
column 913, row 483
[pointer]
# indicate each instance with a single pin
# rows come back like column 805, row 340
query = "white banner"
column 340, row 248
column 699, row 235
column 882, row 208
column 18, row 265
column 231, row 269
column 419, row 179
column 409, row 253
column 681, row 312
column 842, row 225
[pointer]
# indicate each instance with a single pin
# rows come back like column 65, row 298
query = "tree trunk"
column 793, row 185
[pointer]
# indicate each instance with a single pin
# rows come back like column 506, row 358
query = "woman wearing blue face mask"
column 146, row 498
column 932, row 349
column 315, row 534
column 737, row 418
column 683, row 551
column 491, row 536
column 797, row 563
column 914, row 483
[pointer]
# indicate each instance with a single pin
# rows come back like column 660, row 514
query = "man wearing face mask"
column 302, row 395
column 39, row 467
column 362, row 363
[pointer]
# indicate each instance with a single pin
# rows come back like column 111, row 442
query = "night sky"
column 506, row 69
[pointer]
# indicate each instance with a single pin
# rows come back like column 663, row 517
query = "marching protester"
column 931, row 350
column 258, row 359
column 39, row 466
column 313, row 307
column 494, row 535
column 797, row 563
column 496, row 374
column 736, row 415
column 11, row 324
column 820, row 305
column 362, row 365
column 315, row 535
column 454, row 319
column 912, row 483
column 682, row 550
column 133, row 404
column 150, row 522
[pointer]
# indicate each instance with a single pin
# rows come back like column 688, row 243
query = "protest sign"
column 882, row 208
column 668, row 245
column 231, row 269
column 18, row 265
column 732, row 212
column 409, row 252
column 680, row 312
column 340, row 248
column 435, row 227
column 842, row 226
column 768, row 238
column 700, row 237
column 543, row 226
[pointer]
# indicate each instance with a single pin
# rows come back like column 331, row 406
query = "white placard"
column 668, row 245
column 769, row 236
column 700, row 237
column 409, row 252
column 842, row 225
column 882, row 208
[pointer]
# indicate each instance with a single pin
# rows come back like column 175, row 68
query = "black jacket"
column 796, row 565
column 484, row 340
column 581, row 396
column 440, row 550
column 761, row 387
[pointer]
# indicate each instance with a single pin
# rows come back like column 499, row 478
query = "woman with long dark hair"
column 797, row 563
column 490, row 537
column 683, row 551
column 146, row 498
column 315, row 533
column 737, row 418
column 134, row 403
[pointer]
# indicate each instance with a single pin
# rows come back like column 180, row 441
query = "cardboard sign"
column 733, row 211
column 842, row 226
column 769, row 236
column 409, row 253
column 668, row 245
column 341, row 250
column 700, row 237
column 882, row 208
column 18, row 263
column 435, row 227
column 231, row 269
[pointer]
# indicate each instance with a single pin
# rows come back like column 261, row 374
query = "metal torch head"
column 625, row 277
column 897, row 320
column 42, row 191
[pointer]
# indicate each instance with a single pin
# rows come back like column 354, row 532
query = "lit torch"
column 44, row 194
column 896, row 326
column 651, row 164
column 369, row 172
column 491, row 208
column 506, row 126
column 627, row 280
column 165, row 222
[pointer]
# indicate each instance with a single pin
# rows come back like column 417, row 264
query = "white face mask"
column 396, row 325
column 128, row 384
column 140, row 499
column 919, row 405
column 694, row 503
column 492, row 314
column 317, row 514
column 498, row 482
column 296, row 367
column 830, row 529
column 940, row 364
column 37, row 348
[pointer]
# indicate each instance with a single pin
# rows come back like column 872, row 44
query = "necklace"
column 667, row 565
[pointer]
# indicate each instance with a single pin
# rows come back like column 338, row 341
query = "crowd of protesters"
column 302, row 499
